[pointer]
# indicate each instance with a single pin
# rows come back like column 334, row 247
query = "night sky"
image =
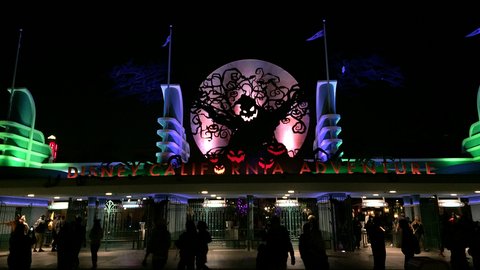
column 408, row 91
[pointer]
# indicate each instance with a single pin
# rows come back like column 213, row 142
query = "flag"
column 474, row 33
column 166, row 41
column 319, row 34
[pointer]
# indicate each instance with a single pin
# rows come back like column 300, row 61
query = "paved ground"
column 238, row 259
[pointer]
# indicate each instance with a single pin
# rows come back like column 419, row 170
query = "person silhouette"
column 409, row 241
column 187, row 243
column 357, row 231
column 158, row 245
column 312, row 247
column 278, row 246
column 204, row 238
column 96, row 236
column 457, row 241
column 20, row 255
column 20, row 219
column 40, row 229
column 418, row 231
column 78, row 238
column 474, row 245
column 376, row 235
column 54, row 233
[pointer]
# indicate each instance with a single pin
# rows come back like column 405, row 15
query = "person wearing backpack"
column 40, row 229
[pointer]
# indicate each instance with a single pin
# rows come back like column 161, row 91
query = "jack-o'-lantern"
column 213, row 157
column 248, row 108
column 276, row 149
column 265, row 162
column 236, row 156
column 219, row 169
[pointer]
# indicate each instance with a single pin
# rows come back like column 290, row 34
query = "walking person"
column 64, row 247
column 23, row 220
column 357, row 231
column 376, row 235
column 409, row 245
column 418, row 231
column 261, row 259
column 204, row 238
column 443, row 228
column 158, row 245
column 40, row 228
column 20, row 247
column 457, row 241
column 78, row 239
column 54, row 233
column 312, row 247
column 278, row 245
column 95, row 236
column 474, row 246
column 187, row 243
column 71, row 238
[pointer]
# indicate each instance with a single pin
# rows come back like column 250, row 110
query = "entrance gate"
column 110, row 221
column 6, row 214
column 229, row 225
column 120, row 225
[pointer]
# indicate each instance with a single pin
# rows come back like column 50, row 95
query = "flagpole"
column 15, row 72
column 326, row 54
column 16, row 58
column 169, row 57
column 326, row 65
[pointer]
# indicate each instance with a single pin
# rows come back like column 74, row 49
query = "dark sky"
column 69, row 52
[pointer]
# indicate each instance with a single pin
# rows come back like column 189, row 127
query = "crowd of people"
column 276, row 247
column 67, row 240
column 69, row 237
column 273, row 252
column 192, row 245
column 460, row 235
column 410, row 235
